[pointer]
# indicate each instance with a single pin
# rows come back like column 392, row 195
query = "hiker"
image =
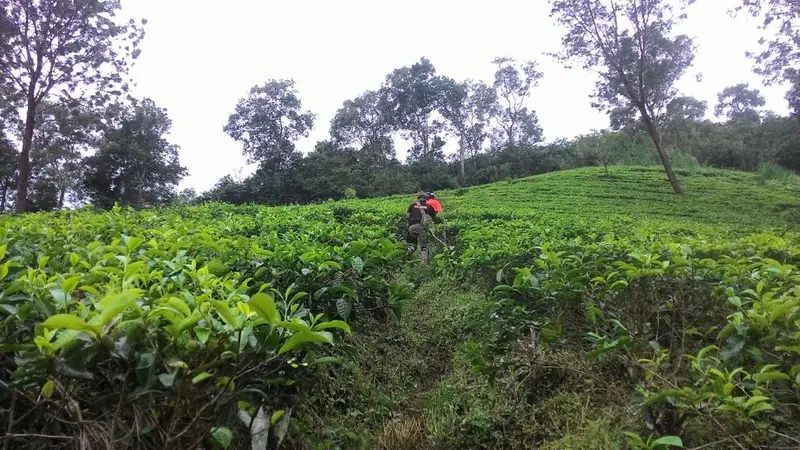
column 419, row 215
column 433, row 202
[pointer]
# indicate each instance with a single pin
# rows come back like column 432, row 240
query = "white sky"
column 199, row 57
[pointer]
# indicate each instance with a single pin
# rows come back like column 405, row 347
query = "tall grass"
column 773, row 172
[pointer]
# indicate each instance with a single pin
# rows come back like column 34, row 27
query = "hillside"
column 564, row 310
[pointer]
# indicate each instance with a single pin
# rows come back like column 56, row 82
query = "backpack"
column 426, row 219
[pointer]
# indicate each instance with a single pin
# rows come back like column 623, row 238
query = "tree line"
column 71, row 133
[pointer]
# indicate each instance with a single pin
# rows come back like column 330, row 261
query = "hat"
column 431, row 195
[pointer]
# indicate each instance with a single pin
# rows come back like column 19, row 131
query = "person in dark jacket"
column 419, row 215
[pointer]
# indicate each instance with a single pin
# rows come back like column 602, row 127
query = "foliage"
column 165, row 326
column 61, row 50
column 739, row 102
column 515, row 123
column 135, row 165
column 629, row 45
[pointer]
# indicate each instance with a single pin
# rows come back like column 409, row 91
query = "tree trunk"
column 662, row 154
column 21, row 204
column 462, row 154
column 3, row 197
column 61, row 197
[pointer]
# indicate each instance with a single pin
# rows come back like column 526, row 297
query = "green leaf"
column 73, row 259
column 115, row 304
column 326, row 360
column 3, row 251
column 202, row 376
column 634, row 439
column 305, row 337
column 223, row 436
column 202, row 334
column 179, row 305
column 68, row 322
column 334, row 324
column 264, row 304
column 48, row 388
column 167, row 379
column 294, row 326
column 358, row 264
column 763, row 406
column 673, row 441
column 276, row 416
column 770, row 376
column 69, row 284
column 343, row 308
column 226, row 313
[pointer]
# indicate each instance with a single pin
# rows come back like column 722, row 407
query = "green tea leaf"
column 69, row 284
column 48, row 388
column 305, row 337
column 770, row 376
column 276, row 416
column 343, row 308
column 69, row 322
column 334, row 324
column 202, row 376
column 223, row 436
column 672, row 441
column 264, row 304
column 225, row 313
column 167, row 379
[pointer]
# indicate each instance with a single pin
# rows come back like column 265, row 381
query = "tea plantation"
column 569, row 310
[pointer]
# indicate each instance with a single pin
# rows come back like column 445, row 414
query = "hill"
column 560, row 311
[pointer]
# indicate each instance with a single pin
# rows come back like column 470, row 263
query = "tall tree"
column 364, row 123
column 467, row 107
column 134, row 165
column 8, row 167
column 268, row 122
column 513, row 82
column 628, row 43
column 740, row 102
column 779, row 58
column 412, row 97
column 61, row 49
column 63, row 135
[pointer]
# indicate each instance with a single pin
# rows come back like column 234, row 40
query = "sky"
column 199, row 57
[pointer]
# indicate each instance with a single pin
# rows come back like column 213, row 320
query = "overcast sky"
column 200, row 56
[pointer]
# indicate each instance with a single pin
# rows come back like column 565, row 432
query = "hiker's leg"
column 411, row 240
column 423, row 243
column 417, row 232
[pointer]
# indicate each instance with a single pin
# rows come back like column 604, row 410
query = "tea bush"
column 663, row 320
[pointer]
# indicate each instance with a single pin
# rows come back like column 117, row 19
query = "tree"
column 134, row 165
column 513, row 83
column 681, row 121
column 739, row 102
column 467, row 107
column 268, row 122
column 627, row 43
column 364, row 122
column 779, row 58
column 411, row 96
column 8, row 167
column 61, row 49
column 63, row 134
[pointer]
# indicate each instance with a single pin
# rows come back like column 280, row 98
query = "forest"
column 72, row 135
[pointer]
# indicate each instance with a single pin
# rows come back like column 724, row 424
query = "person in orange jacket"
column 433, row 202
